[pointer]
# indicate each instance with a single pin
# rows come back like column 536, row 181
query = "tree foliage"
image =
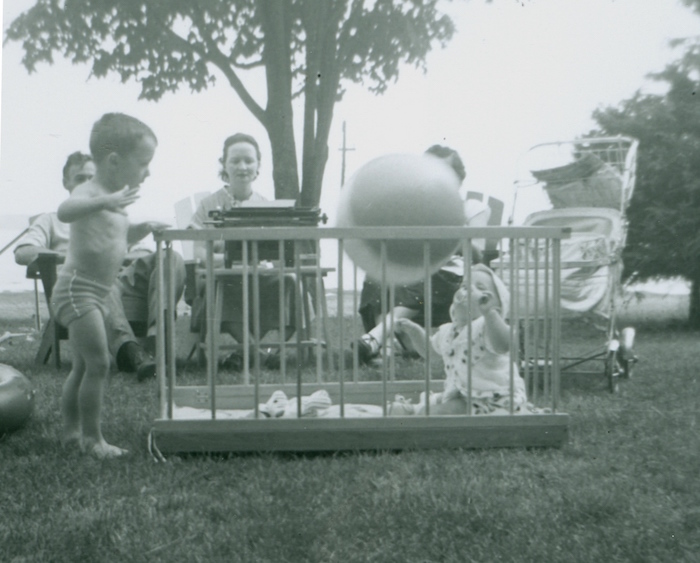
column 308, row 48
column 664, row 214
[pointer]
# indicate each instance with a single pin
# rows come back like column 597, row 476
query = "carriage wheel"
column 627, row 357
column 627, row 367
column 612, row 371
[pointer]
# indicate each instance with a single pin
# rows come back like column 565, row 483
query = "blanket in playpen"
column 319, row 405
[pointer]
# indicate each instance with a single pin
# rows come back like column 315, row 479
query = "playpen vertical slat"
column 556, row 322
column 389, row 340
column 355, row 361
column 282, row 312
column 532, row 326
column 340, row 313
column 211, row 341
column 428, row 316
column 514, row 349
column 529, row 316
column 166, row 402
column 170, row 317
column 384, row 309
column 549, row 303
column 467, row 277
column 546, row 323
column 298, row 296
column 320, row 314
column 246, row 312
column 536, row 324
column 256, row 327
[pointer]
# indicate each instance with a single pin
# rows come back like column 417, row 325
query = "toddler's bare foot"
column 102, row 450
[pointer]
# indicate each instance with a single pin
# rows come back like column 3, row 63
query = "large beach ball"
column 16, row 399
column 401, row 190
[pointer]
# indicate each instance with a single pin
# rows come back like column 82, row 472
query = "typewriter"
column 280, row 213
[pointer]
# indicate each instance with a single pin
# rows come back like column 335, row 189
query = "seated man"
column 133, row 295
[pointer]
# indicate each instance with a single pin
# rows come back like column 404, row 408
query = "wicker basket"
column 587, row 182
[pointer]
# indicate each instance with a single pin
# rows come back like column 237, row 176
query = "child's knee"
column 97, row 362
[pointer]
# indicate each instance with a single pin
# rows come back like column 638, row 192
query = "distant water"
column 12, row 276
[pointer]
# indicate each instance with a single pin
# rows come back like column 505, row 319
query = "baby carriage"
column 585, row 185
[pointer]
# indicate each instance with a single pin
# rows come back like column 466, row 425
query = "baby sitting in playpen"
column 489, row 354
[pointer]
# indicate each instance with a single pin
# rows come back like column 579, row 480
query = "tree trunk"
column 321, row 21
column 694, row 313
column 279, row 120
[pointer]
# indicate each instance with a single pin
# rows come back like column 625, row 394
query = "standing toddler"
column 122, row 148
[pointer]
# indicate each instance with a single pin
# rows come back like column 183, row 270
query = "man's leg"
column 128, row 353
column 138, row 283
column 370, row 343
column 179, row 287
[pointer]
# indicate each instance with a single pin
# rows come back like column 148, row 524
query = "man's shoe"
column 146, row 369
column 364, row 351
column 132, row 358
column 233, row 362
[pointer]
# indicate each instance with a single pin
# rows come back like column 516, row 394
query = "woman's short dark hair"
column 455, row 161
column 232, row 140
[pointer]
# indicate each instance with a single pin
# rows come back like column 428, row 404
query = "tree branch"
column 214, row 55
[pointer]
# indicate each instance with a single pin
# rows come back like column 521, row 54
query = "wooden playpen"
column 336, row 403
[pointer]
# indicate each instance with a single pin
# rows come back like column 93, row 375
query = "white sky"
column 516, row 73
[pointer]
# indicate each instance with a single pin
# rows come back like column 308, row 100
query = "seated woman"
column 240, row 166
column 408, row 299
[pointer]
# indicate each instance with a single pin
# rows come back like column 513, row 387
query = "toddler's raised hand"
column 121, row 199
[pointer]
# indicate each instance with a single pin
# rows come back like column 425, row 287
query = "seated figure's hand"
column 156, row 225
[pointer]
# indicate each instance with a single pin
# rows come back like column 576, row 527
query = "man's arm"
column 26, row 254
column 45, row 235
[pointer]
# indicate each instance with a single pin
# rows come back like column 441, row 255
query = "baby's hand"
column 486, row 301
column 118, row 200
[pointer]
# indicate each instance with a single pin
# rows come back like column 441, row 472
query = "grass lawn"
column 624, row 488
